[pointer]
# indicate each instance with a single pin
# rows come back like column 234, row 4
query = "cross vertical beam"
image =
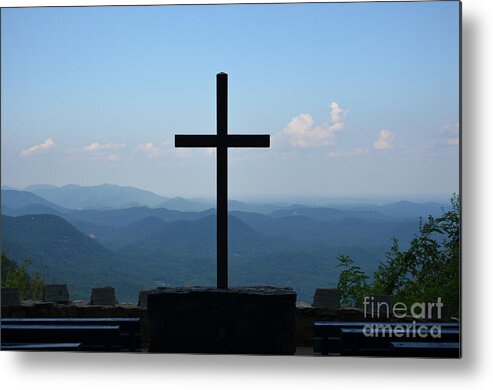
column 222, row 181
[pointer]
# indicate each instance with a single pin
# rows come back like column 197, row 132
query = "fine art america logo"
column 418, row 311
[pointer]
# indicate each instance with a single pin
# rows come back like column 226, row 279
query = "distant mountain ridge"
column 16, row 199
column 111, row 197
column 182, row 204
column 104, row 196
column 406, row 209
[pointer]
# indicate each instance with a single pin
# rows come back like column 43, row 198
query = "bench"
column 66, row 347
column 425, row 349
column 91, row 337
column 129, row 327
column 328, row 336
column 358, row 342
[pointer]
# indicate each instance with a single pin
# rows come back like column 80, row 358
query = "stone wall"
column 305, row 315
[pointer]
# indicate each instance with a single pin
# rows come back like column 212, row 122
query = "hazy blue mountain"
column 6, row 210
column 15, row 199
column 35, row 187
column 92, row 220
column 262, row 208
column 343, row 231
column 122, row 217
column 255, row 220
column 7, row 187
column 185, row 238
column 63, row 254
column 294, row 206
column 327, row 213
column 32, row 209
column 116, row 237
column 105, row 196
column 188, row 247
column 319, row 213
column 405, row 209
column 182, row 204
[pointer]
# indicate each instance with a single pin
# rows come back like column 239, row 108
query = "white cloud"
column 96, row 151
column 113, row 157
column 449, row 134
column 48, row 144
column 302, row 132
column 149, row 150
column 336, row 114
column 181, row 152
column 446, row 137
column 385, row 140
column 97, row 147
column 347, row 153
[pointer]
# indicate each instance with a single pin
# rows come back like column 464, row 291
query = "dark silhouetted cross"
column 222, row 141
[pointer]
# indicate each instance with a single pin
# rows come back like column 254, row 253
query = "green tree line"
column 428, row 269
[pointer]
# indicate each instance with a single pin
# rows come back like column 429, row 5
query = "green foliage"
column 429, row 269
column 352, row 282
column 14, row 276
column 7, row 266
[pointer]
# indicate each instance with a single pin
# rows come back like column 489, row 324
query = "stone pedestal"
column 253, row 320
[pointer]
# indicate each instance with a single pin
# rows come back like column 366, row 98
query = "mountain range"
column 72, row 236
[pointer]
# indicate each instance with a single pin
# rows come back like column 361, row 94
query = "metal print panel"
column 279, row 179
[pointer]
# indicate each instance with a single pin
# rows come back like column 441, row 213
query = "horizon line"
column 281, row 197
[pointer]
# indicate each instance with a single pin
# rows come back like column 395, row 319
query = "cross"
column 222, row 141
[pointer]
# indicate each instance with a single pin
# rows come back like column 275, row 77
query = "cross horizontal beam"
column 229, row 141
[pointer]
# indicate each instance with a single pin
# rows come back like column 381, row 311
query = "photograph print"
column 264, row 179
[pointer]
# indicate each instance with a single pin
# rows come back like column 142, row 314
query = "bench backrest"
column 333, row 329
column 128, row 325
column 104, row 336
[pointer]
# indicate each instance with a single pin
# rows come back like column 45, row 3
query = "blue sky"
column 361, row 99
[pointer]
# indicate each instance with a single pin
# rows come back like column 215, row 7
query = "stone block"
column 103, row 296
column 253, row 320
column 57, row 293
column 326, row 298
column 143, row 298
